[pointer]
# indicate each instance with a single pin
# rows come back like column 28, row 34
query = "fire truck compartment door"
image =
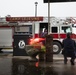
column 6, row 37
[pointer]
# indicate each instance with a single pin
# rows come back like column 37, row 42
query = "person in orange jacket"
column 41, row 48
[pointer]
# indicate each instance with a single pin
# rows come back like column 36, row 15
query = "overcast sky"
column 27, row 8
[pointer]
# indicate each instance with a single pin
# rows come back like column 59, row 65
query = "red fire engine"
column 58, row 28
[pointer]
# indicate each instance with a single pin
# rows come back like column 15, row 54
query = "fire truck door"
column 42, row 28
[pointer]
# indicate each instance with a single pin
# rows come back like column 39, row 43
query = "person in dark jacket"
column 69, row 49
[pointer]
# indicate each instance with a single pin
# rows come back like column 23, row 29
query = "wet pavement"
column 11, row 65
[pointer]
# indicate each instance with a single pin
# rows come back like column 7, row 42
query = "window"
column 66, row 29
column 24, row 29
column 74, row 28
column 54, row 29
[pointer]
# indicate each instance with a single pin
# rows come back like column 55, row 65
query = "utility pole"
column 49, row 27
column 36, row 9
column 36, row 3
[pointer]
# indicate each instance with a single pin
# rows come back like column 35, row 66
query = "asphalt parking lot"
column 20, row 65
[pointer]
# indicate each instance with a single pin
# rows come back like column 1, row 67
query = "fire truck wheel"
column 56, row 47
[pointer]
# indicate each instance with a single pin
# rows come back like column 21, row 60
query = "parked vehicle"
column 58, row 29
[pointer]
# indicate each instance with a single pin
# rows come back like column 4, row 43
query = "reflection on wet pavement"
column 24, row 67
column 18, row 66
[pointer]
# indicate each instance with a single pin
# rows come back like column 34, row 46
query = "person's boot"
column 72, row 62
column 65, row 61
column 34, row 59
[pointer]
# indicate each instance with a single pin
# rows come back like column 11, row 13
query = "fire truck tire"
column 56, row 47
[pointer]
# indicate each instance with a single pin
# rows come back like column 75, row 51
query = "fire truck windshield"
column 74, row 28
column 66, row 29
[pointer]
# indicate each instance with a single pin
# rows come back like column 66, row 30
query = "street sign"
column 54, row 1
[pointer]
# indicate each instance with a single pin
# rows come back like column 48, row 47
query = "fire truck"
column 59, row 27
